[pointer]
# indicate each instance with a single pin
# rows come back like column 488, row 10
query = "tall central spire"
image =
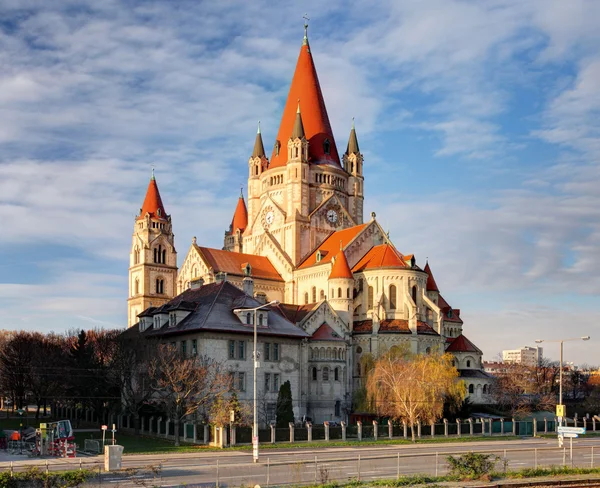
column 306, row 88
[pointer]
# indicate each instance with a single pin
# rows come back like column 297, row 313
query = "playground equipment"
column 55, row 439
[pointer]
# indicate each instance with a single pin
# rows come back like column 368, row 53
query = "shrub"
column 472, row 465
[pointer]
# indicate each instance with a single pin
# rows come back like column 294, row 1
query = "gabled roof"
column 296, row 313
column 233, row 262
column 340, row 268
column 462, row 344
column 214, row 305
column 381, row 256
column 450, row 314
column 431, row 284
column 305, row 87
column 326, row 333
column 331, row 245
column 153, row 204
column 240, row 216
column 398, row 326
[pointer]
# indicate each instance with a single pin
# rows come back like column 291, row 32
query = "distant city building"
column 529, row 356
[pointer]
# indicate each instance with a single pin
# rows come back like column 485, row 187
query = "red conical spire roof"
column 240, row 217
column 340, row 268
column 153, row 203
column 431, row 284
column 306, row 90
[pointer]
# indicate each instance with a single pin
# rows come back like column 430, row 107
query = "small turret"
column 353, row 164
column 341, row 285
column 239, row 222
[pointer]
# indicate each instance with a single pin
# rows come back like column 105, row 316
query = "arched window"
column 249, row 318
column 471, row 388
column 306, row 298
column 260, row 319
column 322, row 295
column 347, row 292
column 326, row 146
column 160, row 286
column 136, row 287
column 164, row 256
column 314, row 294
column 485, row 389
column 136, row 256
column 314, row 374
column 296, row 152
column 428, row 350
column 392, row 297
column 414, row 294
column 468, row 363
column 339, row 293
column 370, row 298
column 336, row 374
column 325, row 373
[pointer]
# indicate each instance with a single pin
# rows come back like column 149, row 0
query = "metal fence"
column 302, row 468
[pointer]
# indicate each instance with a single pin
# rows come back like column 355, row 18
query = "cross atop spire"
column 305, row 40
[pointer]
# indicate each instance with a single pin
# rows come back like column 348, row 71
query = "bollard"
column 359, row 426
column 309, row 432
column 375, row 429
column 458, row 427
column 470, row 426
column 432, row 425
column 419, row 429
column 343, row 430
column 514, row 427
column 502, row 426
column 326, row 425
column 445, row 427
column 405, row 429
column 291, row 425
column 545, row 425
column 594, row 424
column 491, row 427
column 272, row 433
column 390, row 429
column 534, row 427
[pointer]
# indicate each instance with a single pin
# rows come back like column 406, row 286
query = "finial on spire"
column 306, row 19
column 258, row 131
column 152, row 178
column 352, row 123
column 298, row 109
column 241, row 191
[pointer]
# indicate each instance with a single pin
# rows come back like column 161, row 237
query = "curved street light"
column 255, row 359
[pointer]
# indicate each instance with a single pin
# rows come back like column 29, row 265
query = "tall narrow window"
column 370, row 298
column 336, row 374
column 393, row 297
column 325, row 373
column 322, row 295
column 314, row 294
column 242, row 350
column 338, row 408
column 267, row 381
column 137, row 287
column 326, row 146
column 194, row 347
column 314, row 374
column 184, row 348
column 339, row 293
column 414, row 294
column 471, row 388
column 160, row 284
column 241, row 381
column 306, row 298
column 267, row 351
column 276, row 381
column 260, row 319
column 275, row 352
column 231, row 349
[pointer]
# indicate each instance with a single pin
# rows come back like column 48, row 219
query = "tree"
column 413, row 388
column 184, row 385
column 522, row 389
column 15, row 367
column 220, row 411
column 285, row 409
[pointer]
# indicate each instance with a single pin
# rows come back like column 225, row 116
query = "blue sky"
column 479, row 123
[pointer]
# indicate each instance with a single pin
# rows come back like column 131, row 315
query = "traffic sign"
column 560, row 410
column 571, row 435
column 571, row 430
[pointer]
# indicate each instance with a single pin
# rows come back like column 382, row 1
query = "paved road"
column 297, row 466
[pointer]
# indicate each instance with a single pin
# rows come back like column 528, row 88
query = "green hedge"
column 34, row 478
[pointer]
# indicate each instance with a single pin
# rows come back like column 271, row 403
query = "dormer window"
column 158, row 212
column 319, row 256
column 156, row 322
column 172, row 319
column 247, row 270
column 327, row 146
column 277, row 147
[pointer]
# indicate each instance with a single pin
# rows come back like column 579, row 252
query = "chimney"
column 197, row 283
column 221, row 277
column 261, row 297
column 248, row 286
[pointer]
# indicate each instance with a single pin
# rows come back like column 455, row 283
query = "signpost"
column 569, row 433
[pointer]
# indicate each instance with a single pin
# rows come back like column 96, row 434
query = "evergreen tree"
column 285, row 411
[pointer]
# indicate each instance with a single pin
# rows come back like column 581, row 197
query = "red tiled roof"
column 462, row 344
column 331, row 245
column 306, row 89
column 233, row 262
column 382, row 256
column 326, row 333
column 446, row 309
column 153, row 203
column 431, row 284
column 240, row 217
column 399, row 326
column 340, row 268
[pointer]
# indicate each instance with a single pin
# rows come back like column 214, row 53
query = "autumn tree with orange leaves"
column 413, row 388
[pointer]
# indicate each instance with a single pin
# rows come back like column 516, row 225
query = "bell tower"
column 153, row 258
column 353, row 164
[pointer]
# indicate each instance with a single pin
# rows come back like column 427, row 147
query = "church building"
column 301, row 239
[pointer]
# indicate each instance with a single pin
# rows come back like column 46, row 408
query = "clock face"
column 332, row 216
column 269, row 217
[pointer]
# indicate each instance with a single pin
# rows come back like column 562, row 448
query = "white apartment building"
column 529, row 356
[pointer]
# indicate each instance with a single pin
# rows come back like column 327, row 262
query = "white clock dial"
column 269, row 217
column 332, row 216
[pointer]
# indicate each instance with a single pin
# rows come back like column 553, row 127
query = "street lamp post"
column 255, row 366
column 560, row 409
